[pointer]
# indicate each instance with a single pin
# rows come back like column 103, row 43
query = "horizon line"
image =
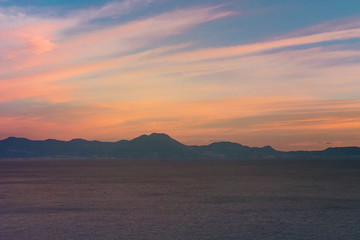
column 158, row 133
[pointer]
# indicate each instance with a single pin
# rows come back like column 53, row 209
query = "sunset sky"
column 284, row 73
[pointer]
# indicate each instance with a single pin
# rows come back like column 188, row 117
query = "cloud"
column 109, row 10
column 22, row 35
column 221, row 52
column 118, row 80
column 39, row 45
column 334, row 25
column 291, row 121
column 34, row 35
column 35, row 60
column 46, row 110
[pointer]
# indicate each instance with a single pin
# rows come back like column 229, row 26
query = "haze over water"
column 123, row 199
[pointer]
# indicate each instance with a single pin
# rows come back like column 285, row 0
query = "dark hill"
column 155, row 146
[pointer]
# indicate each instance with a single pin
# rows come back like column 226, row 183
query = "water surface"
column 122, row 199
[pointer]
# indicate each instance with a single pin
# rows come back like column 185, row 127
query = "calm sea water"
column 117, row 199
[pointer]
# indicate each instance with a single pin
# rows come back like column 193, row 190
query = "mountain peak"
column 11, row 139
column 268, row 147
column 159, row 135
column 156, row 146
column 155, row 137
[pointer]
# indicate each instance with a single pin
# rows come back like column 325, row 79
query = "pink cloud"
column 28, row 37
column 104, row 42
column 57, row 59
column 38, row 44
column 183, row 88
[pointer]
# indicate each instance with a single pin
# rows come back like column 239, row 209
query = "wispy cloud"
column 41, row 36
column 139, row 78
column 46, row 110
column 271, row 45
column 109, row 10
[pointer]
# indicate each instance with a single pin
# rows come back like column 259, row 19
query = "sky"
column 284, row 73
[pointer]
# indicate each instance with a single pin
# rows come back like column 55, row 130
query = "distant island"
column 156, row 146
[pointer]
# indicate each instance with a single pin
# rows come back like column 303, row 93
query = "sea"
column 67, row 199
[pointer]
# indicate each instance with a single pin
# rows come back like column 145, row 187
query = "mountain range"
column 155, row 146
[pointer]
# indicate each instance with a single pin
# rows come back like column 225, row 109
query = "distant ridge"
column 155, row 146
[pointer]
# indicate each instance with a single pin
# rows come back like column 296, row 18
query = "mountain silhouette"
column 155, row 146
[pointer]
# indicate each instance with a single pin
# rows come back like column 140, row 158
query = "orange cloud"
column 39, row 45
column 102, row 84
column 222, row 119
